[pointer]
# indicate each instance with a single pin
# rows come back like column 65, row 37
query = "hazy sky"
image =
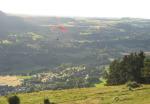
column 81, row 8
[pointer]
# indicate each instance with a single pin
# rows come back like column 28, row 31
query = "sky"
column 78, row 8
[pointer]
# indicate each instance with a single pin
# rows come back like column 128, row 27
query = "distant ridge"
column 10, row 23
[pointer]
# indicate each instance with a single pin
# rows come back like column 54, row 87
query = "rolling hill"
column 37, row 43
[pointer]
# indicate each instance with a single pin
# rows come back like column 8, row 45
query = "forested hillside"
column 36, row 43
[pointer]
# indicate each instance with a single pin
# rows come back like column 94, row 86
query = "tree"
column 114, row 75
column 129, row 68
column 146, row 71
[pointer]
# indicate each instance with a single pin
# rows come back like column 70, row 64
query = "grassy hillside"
column 100, row 95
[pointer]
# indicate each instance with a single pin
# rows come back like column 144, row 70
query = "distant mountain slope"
column 32, row 43
column 9, row 23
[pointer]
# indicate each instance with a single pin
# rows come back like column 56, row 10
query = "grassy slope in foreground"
column 102, row 95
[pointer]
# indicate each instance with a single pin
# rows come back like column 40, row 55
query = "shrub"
column 13, row 100
column 46, row 101
column 132, row 84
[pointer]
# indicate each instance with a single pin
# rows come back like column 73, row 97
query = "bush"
column 46, row 101
column 132, row 84
column 13, row 100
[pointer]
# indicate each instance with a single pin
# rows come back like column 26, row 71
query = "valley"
column 72, row 60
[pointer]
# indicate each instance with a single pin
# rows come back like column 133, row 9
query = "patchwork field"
column 10, row 80
column 101, row 95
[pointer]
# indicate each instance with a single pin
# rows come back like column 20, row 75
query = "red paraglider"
column 59, row 27
column 62, row 28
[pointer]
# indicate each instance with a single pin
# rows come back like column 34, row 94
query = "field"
column 101, row 95
column 10, row 80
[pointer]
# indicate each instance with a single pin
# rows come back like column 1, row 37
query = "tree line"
column 132, row 67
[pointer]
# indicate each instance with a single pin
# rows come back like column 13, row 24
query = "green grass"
column 97, row 95
column 101, row 84
column 24, row 77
